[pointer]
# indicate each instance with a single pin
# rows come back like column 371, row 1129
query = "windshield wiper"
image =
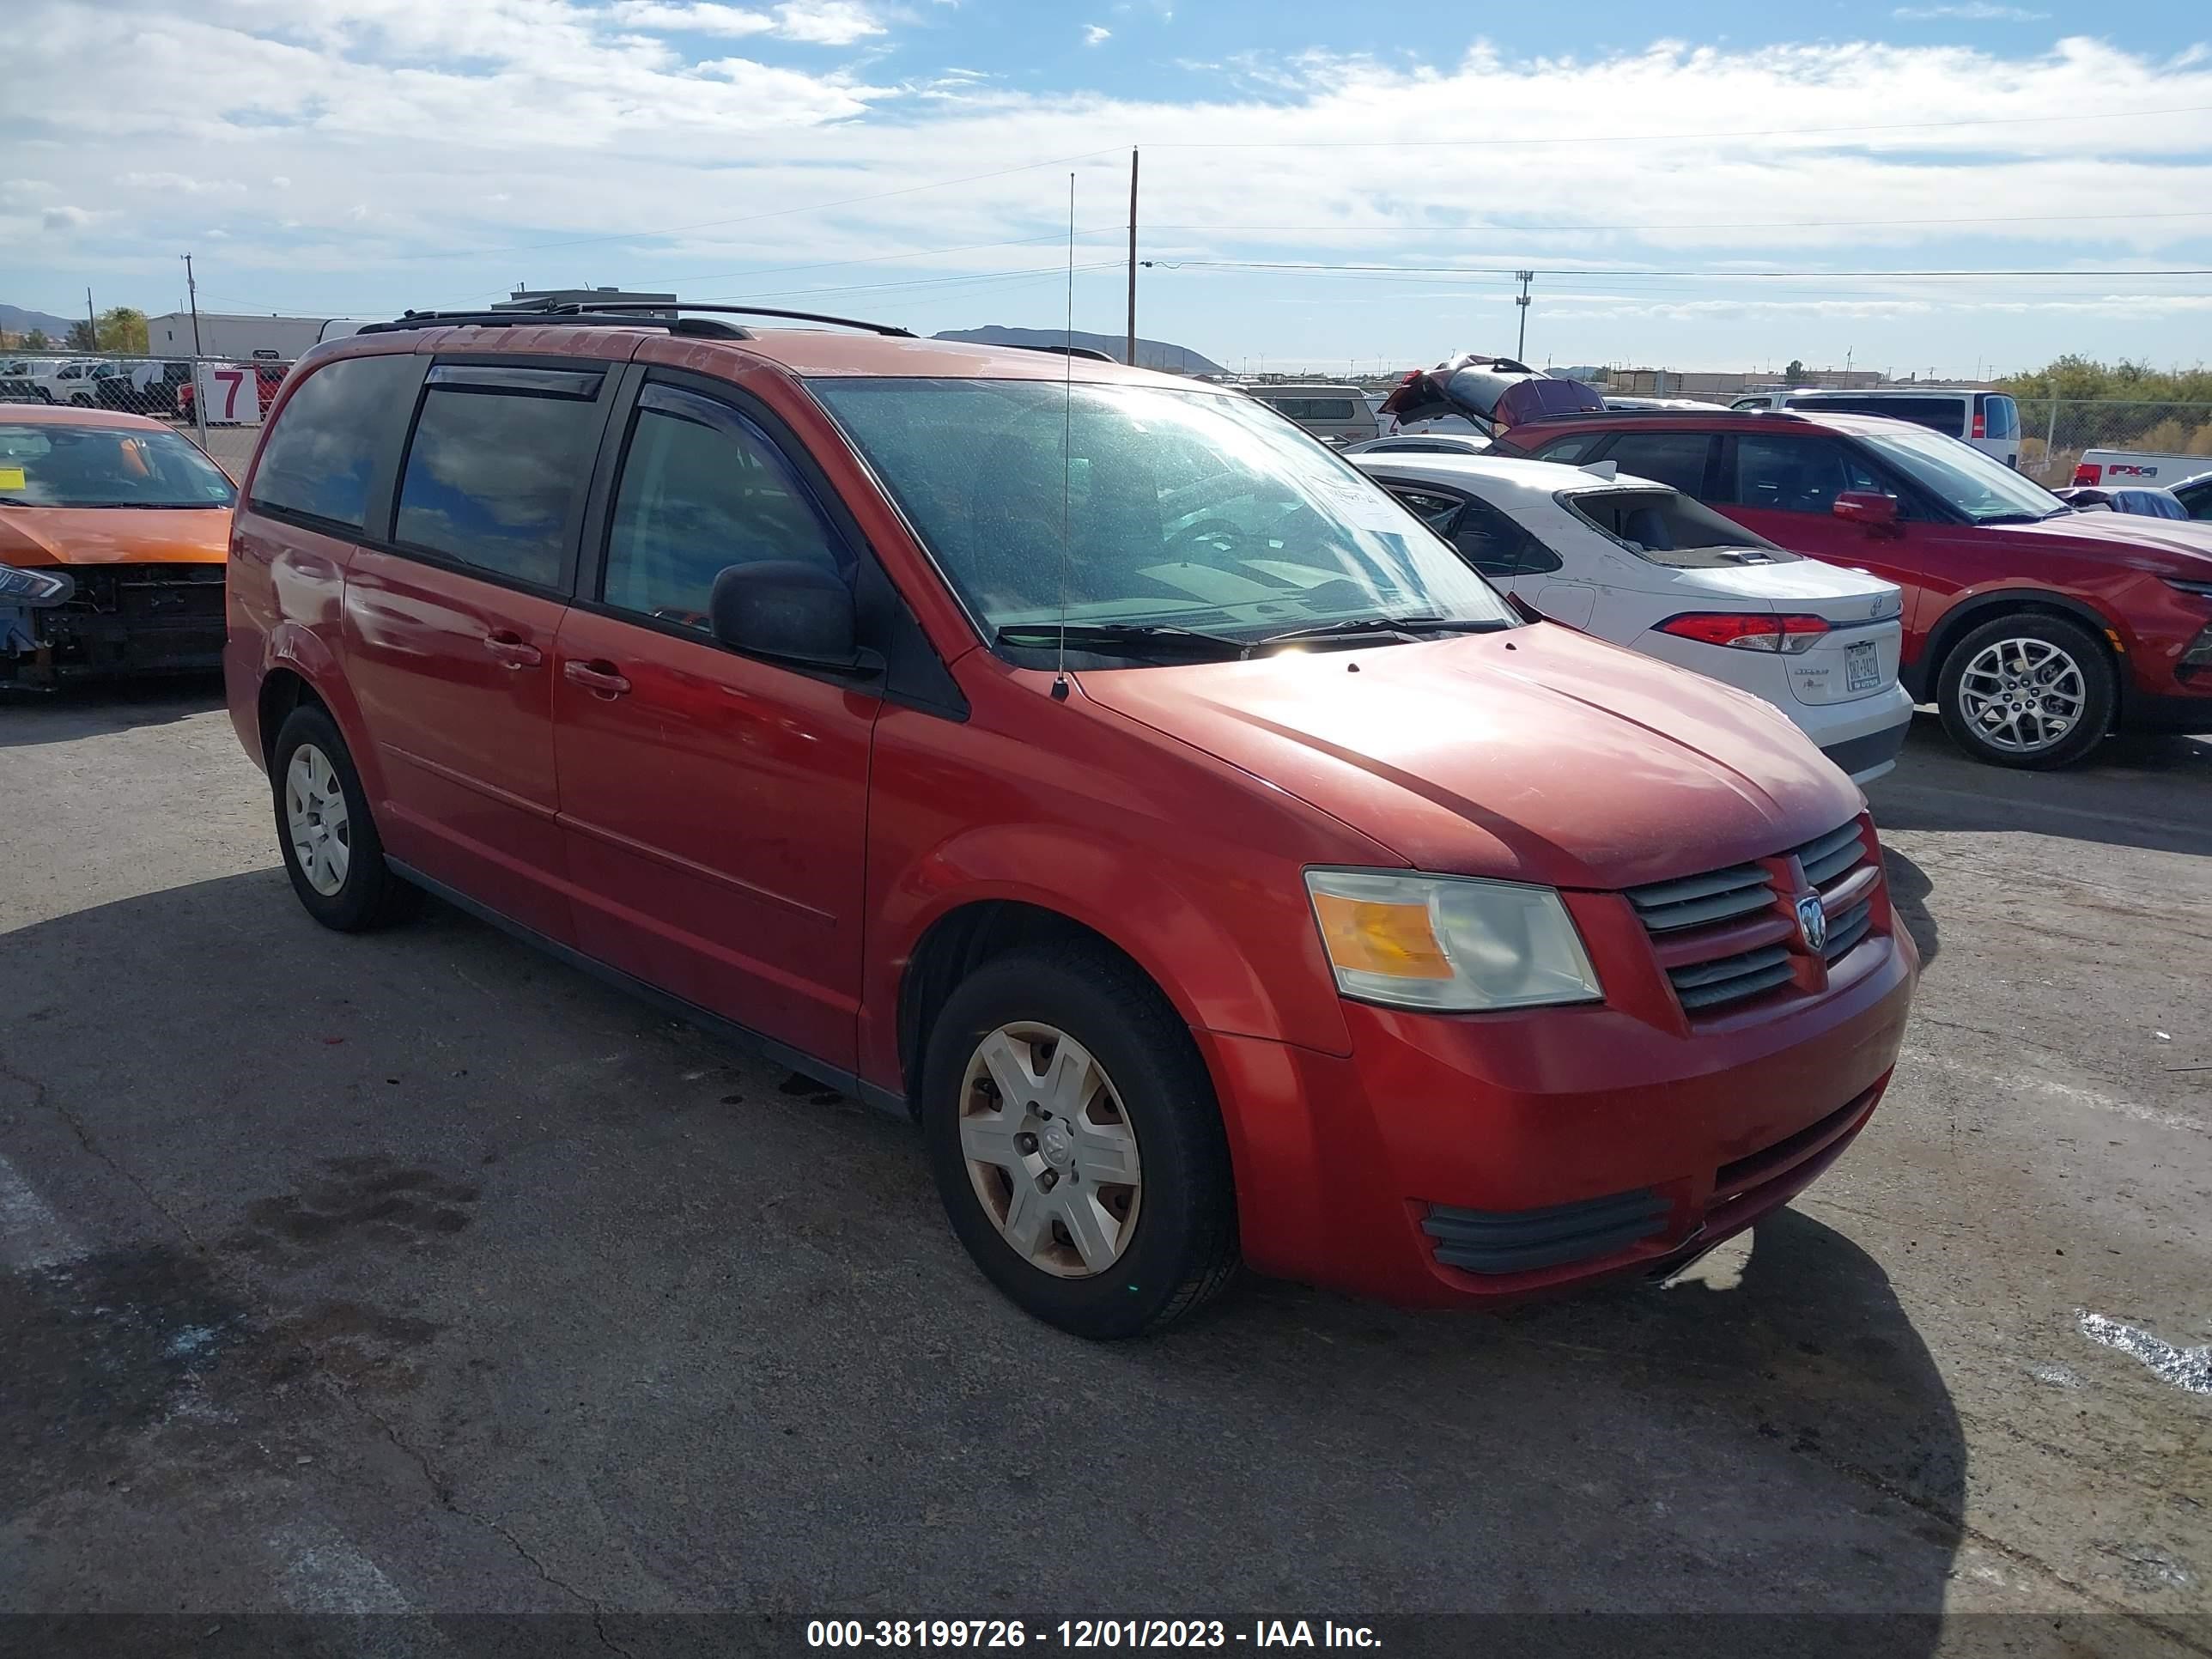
column 1123, row 639
column 1408, row 626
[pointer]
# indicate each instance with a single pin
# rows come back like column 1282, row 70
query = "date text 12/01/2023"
column 1084, row 1634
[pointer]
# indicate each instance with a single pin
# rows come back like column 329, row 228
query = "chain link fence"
column 2054, row 432
column 217, row 402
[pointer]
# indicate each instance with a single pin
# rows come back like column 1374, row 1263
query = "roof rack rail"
column 624, row 314
column 697, row 327
column 1091, row 352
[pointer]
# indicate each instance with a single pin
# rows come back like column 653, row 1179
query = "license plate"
column 1861, row 667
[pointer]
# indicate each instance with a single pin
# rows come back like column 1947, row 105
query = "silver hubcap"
column 2022, row 696
column 1051, row 1152
column 315, row 812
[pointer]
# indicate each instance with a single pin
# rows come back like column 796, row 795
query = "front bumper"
column 2185, row 714
column 1487, row 1160
column 123, row 619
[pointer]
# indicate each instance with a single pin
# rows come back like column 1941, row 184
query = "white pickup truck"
column 2107, row 467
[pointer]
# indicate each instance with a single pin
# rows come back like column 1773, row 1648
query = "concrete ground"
column 416, row 1274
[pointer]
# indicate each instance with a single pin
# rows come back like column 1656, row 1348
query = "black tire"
column 370, row 896
column 1182, row 1251
column 2099, row 689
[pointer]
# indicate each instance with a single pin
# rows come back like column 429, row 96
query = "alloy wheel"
column 1050, row 1150
column 2022, row 696
column 315, row 814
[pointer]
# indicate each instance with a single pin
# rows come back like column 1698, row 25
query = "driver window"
column 1797, row 475
column 695, row 499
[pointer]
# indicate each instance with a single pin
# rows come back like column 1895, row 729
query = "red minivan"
column 1082, row 760
column 2034, row 628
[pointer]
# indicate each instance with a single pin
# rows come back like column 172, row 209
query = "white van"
column 1335, row 414
column 1988, row 419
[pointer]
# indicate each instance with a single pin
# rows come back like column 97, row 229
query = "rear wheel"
column 331, row 850
column 1076, row 1142
column 2027, row 690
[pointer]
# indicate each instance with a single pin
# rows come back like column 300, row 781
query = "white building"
column 224, row 334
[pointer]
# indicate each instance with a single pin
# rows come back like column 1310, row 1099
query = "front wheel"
column 2029, row 690
column 331, row 850
column 1076, row 1142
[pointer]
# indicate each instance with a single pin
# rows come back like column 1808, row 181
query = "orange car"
column 113, row 532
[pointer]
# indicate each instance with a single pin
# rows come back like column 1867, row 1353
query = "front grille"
column 1723, row 935
column 1521, row 1241
column 1730, row 978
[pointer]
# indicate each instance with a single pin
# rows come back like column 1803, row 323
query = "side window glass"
column 320, row 458
column 1570, row 451
column 1438, row 512
column 499, row 461
column 702, row 488
column 1494, row 544
column 1797, row 475
column 1666, row 457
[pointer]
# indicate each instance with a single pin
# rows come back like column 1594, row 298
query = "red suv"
column 1083, row 760
column 2033, row 628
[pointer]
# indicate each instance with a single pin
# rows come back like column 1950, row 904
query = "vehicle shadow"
column 69, row 712
column 1909, row 888
column 2139, row 791
column 1767, row 1440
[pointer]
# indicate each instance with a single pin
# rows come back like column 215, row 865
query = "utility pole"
column 1521, row 350
column 192, row 289
column 1132, row 259
column 91, row 320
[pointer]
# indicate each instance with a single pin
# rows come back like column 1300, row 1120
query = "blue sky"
column 1702, row 186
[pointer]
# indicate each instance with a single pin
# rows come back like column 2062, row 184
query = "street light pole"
column 1521, row 350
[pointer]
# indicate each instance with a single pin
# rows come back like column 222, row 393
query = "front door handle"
column 513, row 650
column 600, row 677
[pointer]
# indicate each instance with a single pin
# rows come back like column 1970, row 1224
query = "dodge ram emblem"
column 1813, row 922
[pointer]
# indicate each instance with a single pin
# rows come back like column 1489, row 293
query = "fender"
column 1106, row 885
column 1970, row 609
column 304, row 651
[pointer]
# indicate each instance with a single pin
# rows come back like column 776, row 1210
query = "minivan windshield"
column 1189, row 511
column 1987, row 491
column 57, row 465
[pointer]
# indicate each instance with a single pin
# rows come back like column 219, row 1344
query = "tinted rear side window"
column 1666, row 457
column 1945, row 415
column 495, row 470
column 2000, row 416
column 321, row 460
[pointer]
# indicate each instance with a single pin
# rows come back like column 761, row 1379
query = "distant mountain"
column 14, row 320
column 1150, row 354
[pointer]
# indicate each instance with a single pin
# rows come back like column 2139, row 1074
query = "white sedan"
column 1643, row 566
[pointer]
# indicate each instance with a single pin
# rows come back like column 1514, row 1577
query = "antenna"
column 1067, row 450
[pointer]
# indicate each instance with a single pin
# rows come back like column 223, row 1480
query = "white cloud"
column 1095, row 34
column 826, row 22
column 701, row 18
column 562, row 142
column 1972, row 11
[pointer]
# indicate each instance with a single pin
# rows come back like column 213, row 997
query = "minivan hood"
column 1536, row 754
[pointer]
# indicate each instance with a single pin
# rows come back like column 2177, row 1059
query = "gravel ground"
column 361, row 1280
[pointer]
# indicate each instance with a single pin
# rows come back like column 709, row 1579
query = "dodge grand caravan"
column 1081, row 761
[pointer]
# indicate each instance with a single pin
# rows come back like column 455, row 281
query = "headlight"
column 22, row 586
column 1449, row 943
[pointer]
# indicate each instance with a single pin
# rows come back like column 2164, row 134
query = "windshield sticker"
column 11, row 477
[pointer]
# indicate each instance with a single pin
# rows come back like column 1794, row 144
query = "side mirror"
column 1867, row 508
column 781, row 608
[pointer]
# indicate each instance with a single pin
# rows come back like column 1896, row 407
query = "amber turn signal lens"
column 1370, row 937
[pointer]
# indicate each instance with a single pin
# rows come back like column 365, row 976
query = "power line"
column 1707, row 276
column 1771, row 224
column 2069, row 117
